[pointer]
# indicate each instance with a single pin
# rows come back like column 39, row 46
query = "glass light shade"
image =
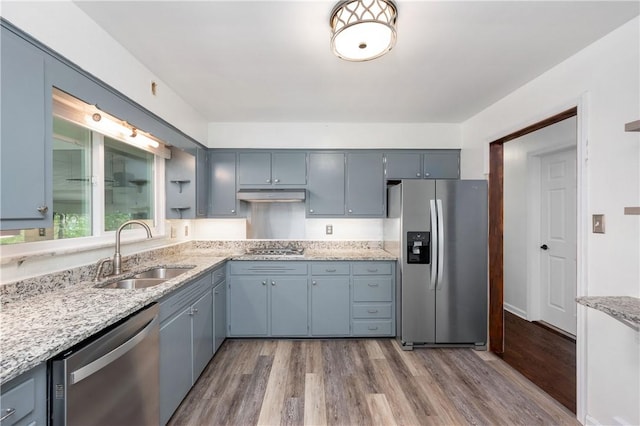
column 363, row 29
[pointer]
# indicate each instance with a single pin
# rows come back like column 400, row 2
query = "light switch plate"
column 597, row 223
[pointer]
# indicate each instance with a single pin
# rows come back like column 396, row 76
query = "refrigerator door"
column 461, row 290
column 417, row 297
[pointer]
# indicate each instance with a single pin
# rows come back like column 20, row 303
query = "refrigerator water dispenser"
column 418, row 247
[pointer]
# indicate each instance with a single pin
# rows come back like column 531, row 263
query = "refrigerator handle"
column 434, row 246
column 440, row 244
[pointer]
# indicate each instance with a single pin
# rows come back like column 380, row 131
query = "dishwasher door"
column 113, row 379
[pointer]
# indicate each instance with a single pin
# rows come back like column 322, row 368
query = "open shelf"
column 633, row 126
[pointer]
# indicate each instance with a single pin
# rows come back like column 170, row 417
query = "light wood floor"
column 362, row 382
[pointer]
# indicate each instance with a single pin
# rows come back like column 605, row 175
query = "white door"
column 558, row 239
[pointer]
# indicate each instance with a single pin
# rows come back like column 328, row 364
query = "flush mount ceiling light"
column 363, row 29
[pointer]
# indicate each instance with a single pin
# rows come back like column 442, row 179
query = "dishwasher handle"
column 97, row 365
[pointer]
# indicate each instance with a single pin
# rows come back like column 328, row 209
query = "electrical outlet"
column 42, row 232
column 173, row 232
column 329, row 230
column 186, row 230
column 598, row 223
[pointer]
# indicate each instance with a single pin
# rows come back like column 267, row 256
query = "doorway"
column 519, row 263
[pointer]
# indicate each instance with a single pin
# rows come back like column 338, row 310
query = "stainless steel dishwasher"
column 112, row 379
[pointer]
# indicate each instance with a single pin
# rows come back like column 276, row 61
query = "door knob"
column 544, row 247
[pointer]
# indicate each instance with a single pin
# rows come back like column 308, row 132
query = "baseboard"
column 590, row 421
column 515, row 311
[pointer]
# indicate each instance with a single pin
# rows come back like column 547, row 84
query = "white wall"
column 334, row 135
column 518, row 207
column 608, row 73
column 63, row 27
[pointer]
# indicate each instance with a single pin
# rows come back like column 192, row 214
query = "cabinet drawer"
column 372, row 290
column 184, row 296
column 371, row 268
column 219, row 275
column 268, row 268
column 330, row 268
column 371, row 311
column 21, row 400
column 372, row 328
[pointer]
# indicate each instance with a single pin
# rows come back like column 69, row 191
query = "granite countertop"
column 35, row 327
column 623, row 308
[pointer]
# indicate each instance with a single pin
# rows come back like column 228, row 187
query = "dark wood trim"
column 496, row 267
column 496, row 233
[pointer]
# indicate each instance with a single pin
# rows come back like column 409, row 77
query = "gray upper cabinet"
column 403, row 165
column 425, row 164
column 180, row 185
column 222, row 186
column 202, row 182
column 326, row 187
column 267, row 169
column 365, row 184
column 443, row 164
column 25, row 139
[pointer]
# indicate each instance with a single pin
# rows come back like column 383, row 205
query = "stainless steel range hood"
column 272, row 195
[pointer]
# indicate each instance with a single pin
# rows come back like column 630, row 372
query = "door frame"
column 578, row 107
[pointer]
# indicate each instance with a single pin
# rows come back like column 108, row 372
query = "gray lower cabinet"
column 220, row 314
column 326, row 186
column 186, row 341
column 330, row 306
column 222, row 185
column 365, row 184
column 247, row 306
column 373, row 307
column 289, row 306
column 23, row 400
column 26, row 196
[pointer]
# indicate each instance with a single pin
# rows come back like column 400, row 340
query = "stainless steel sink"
column 165, row 273
column 133, row 283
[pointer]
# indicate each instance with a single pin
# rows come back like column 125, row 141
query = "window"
column 100, row 179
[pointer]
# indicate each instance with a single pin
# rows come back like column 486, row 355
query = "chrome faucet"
column 117, row 258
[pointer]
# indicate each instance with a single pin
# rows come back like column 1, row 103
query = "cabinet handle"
column 233, row 210
column 276, row 180
column 43, row 209
column 350, row 211
column 7, row 413
column 216, row 292
column 268, row 180
column 372, row 328
column 372, row 311
column 264, row 283
column 193, row 311
column 427, row 174
column 372, row 269
column 314, row 282
column 273, row 283
column 310, row 210
column 329, row 270
column 372, row 285
column 417, row 174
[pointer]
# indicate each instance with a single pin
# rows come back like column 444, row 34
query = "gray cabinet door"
column 365, row 184
column 202, row 182
column 220, row 314
column 248, row 306
column 202, row 331
column 254, row 169
column 441, row 164
column 25, row 136
column 289, row 168
column 330, row 306
column 403, row 165
column 175, row 363
column 288, row 306
column 326, row 185
column 180, row 184
column 223, row 201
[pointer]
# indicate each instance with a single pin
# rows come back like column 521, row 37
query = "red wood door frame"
column 496, row 227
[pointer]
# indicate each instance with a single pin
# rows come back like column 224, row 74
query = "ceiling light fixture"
column 363, row 29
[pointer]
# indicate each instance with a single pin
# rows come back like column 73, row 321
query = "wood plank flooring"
column 362, row 382
column 545, row 357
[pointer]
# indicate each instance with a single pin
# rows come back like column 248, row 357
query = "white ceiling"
column 270, row 61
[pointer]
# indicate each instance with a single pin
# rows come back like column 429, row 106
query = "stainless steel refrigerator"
column 438, row 230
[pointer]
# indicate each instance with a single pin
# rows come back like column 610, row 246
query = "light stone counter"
column 622, row 308
column 44, row 316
